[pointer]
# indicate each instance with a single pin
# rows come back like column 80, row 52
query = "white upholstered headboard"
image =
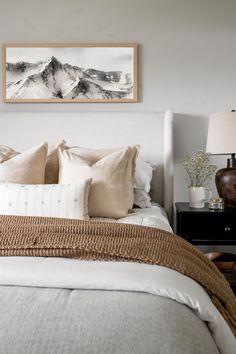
column 152, row 130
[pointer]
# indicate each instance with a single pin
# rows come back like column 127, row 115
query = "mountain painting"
column 75, row 73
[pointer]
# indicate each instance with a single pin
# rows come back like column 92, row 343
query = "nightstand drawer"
column 206, row 227
column 210, row 226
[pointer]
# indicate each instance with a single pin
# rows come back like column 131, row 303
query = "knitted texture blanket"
column 106, row 241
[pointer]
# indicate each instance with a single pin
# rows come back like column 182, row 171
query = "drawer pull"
column 227, row 229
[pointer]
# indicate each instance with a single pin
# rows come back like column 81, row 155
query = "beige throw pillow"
column 142, row 172
column 25, row 168
column 7, row 153
column 111, row 193
column 94, row 155
column 52, row 165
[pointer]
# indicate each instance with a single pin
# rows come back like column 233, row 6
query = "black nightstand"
column 206, row 227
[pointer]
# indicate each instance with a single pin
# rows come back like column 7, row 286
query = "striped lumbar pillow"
column 52, row 200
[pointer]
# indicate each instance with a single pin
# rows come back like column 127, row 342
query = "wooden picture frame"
column 70, row 73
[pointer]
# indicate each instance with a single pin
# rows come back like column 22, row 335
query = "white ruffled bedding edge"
column 156, row 280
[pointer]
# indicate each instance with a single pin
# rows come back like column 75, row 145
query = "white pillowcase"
column 142, row 183
column 141, row 199
column 50, row 200
column 143, row 175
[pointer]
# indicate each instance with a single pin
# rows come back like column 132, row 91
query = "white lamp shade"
column 221, row 138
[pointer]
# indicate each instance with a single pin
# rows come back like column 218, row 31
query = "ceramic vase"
column 197, row 196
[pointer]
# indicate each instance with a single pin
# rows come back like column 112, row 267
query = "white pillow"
column 52, row 200
column 141, row 199
column 142, row 183
column 143, row 175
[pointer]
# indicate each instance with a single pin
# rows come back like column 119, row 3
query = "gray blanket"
column 60, row 321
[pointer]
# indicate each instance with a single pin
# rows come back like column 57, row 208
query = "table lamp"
column 221, row 140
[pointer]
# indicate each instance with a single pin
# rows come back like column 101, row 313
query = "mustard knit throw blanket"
column 90, row 240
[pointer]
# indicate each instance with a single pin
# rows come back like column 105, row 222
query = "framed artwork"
column 70, row 73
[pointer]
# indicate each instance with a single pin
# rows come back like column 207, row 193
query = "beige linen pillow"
column 25, row 168
column 52, row 165
column 111, row 193
column 7, row 153
column 94, row 155
column 142, row 172
column 50, row 200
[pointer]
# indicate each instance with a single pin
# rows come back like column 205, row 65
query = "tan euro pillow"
column 52, row 164
column 93, row 155
column 25, row 168
column 142, row 172
column 7, row 153
column 111, row 194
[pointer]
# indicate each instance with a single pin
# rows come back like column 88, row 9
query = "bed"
column 120, row 295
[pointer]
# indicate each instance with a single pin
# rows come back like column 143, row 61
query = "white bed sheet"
column 155, row 216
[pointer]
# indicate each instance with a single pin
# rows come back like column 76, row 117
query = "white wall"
column 187, row 55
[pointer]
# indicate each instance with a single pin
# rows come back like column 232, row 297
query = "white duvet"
column 156, row 280
column 155, row 216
